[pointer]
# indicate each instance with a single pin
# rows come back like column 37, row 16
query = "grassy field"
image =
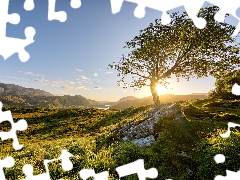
column 87, row 134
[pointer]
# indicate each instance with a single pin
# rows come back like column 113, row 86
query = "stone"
column 143, row 142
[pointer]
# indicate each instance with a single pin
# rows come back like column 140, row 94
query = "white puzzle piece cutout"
column 6, row 163
column 66, row 165
column 230, row 125
column 75, row 4
column 87, row 173
column 236, row 89
column 9, row 45
column 53, row 15
column 191, row 7
column 21, row 125
column 29, row 5
column 231, row 175
column 137, row 167
column 60, row 15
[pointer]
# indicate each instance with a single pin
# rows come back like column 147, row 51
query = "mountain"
column 126, row 99
column 167, row 98
column 65, row 101
column 18, row 96
column 110, row 104
column 12, row 89
column 199, row 94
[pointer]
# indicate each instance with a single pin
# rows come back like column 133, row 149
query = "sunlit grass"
column 87, row 134
column 76, row 130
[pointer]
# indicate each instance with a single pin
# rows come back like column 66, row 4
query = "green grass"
column 87, row 134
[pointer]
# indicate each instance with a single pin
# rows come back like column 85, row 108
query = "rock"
column 182, row 153
column 143, row 132
column 189, row 171
column 178, row 117
column 184, row 108
column 143, row 142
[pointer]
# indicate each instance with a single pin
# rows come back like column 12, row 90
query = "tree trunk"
column 153, row 87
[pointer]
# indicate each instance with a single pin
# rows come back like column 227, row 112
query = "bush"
column 161, row 125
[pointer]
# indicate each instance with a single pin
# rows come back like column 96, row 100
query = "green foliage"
column 29, row 101
column 206, row 150
column 161, row 125
column 87, row 134
column 224, row 84
column 106, row 140
column 199, row 137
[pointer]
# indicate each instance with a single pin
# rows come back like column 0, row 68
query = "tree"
column 224, row 84
column 179, row 49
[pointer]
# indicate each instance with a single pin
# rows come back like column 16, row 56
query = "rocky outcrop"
column 147, row 141
column 142, row 134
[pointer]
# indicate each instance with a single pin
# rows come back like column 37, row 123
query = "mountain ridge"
column 18, row 96
column 13, row 89
column 167, row 98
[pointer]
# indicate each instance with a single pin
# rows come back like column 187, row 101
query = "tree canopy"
column 224, row 84
column 180, row 49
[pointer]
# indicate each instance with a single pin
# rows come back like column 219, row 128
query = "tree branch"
column 179, row 58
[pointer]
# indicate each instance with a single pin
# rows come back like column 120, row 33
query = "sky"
column 72, row 57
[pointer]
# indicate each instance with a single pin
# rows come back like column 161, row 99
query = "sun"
column 161, row 89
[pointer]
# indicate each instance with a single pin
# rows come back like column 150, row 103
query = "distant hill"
column 126, row 99
column 12, row 89
column 18, row 96
column 65, row 101
column 163, row 98
column 119, row 101
column 199, row 94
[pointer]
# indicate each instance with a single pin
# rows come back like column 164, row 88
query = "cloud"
column 97, row 88
column 53, row 85
column 70, row 82
column 100, row 69
column 108, row 72
column 55, row 82
column 31, row 73
column 66, row 87
column 79, row 70
column 10, row 77
column 83, row 77
column 40, row 80
column 81, row 87
column 95, row 74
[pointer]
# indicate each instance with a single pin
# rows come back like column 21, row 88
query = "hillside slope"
column 18, row 96
column 184, row 148
column 48, row 101
column 12, row 89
